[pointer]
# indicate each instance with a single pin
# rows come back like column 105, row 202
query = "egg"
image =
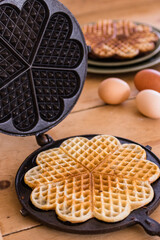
column 113, row 91
column 148, row 103
column 147, row 79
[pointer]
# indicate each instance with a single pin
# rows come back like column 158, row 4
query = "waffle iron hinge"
column 43, row 139
column 148, row 147
column 89, row 49
column 24, row 212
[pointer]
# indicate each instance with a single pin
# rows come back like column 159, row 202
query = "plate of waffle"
column 88, row 184
column 124, row 69
column 114, row 62
column 120, row 43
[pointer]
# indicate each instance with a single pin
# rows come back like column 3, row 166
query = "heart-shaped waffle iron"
column 93, row 225
column 42, row 66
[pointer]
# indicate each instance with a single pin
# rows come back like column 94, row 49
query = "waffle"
column 70, row 198
column 119, row 39
column 129, row 161
column 53, row 165
column 90, row 153
column 97, row 178
column 114, row 198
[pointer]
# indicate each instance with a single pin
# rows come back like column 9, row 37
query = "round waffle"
column 97, row 178
column 119, row 39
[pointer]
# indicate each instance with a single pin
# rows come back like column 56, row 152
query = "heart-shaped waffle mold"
column 42, row 65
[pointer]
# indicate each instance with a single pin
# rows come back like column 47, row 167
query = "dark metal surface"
column 93, row 225
column 43, row 139
column 43, row 65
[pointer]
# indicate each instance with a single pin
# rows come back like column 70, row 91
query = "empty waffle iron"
column 43, row 66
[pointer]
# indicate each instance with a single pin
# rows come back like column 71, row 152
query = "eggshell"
column 147, row 79
column 148, row 103
column 113, row 90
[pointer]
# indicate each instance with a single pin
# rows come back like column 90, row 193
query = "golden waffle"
column 97, row 178
column 90, row 153
column 53, row 165
column 119, row 39
column 114, row 198
column 129, row 161
column 70, row 198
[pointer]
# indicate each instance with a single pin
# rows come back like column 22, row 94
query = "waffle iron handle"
column 150, row 226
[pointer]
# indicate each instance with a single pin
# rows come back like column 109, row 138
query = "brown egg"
column 147, row 79
column 148, row 103
column 113, row 90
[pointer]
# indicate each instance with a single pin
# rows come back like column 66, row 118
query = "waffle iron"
column 43, row 65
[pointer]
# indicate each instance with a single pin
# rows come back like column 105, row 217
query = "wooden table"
column 90, row 115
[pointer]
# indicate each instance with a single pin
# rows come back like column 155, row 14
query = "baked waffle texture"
column 119, row 39
column 98, row 178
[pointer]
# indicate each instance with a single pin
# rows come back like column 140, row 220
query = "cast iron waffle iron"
column 43, row 62
column 93, row 225
column 43, row 67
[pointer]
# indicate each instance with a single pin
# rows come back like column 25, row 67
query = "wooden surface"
column 90, row 115
column 1, row 235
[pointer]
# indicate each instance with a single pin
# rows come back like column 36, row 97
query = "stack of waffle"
column 97, row 178
column 120, row 41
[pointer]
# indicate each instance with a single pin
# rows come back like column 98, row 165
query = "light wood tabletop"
column 89, row 116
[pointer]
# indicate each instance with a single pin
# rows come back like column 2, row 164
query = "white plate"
column 112, row 70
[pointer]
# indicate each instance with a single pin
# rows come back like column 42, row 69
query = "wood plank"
column 45, row 233
column 92, row 10
column 89, row 97
column 1, row 235
column 13, row 152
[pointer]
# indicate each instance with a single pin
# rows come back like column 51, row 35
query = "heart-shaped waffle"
column 119, row 39
column 97, row 178
column 42, row 65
